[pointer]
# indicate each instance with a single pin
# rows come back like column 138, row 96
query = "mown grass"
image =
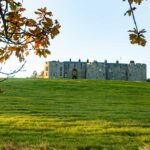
column 75, row 114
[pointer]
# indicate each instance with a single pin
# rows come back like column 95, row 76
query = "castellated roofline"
column 96, row 70
column 95, row 61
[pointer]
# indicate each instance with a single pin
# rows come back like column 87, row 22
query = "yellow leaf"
column 27, row 53
column 28, row 39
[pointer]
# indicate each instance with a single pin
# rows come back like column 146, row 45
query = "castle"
column 95, row 70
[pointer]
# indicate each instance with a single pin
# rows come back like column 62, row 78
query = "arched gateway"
column 74, row 74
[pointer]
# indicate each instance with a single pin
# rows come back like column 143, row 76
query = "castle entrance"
column 74, row 74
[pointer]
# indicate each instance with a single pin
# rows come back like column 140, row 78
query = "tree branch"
column 3, row 19
column 13, row 72
column 133, row 16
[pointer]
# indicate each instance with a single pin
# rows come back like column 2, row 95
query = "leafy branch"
column 11, row 74
column 136, row 35
column 19, row 34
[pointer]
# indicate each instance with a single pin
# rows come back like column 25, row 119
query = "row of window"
column 74, row 65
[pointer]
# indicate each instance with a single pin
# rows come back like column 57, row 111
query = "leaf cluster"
column 135, row 1
column 136, row 36
column 19, row 34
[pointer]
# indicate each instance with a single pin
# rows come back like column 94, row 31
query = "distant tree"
column 148, row 80
column 34, row 74
column 136, row 35
column 19, row 34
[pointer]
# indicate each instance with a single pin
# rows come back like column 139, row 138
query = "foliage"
column 81, row 114
column 34, row 74
column 136, row 35
column 148, row 80
column 19, row 34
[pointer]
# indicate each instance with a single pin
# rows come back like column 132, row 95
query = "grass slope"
column 75, row 114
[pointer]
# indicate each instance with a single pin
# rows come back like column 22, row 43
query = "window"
column 110, row 70
column 100, row 70
column 46, row 68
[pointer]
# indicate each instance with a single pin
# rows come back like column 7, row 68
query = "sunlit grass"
column 75, row 114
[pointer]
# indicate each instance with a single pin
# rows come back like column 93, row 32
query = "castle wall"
column 46, row 68
column 116, row 71
column 136, row 72
column 78, row 67
column 96, row 70
column 123, row 72
column 56, row 69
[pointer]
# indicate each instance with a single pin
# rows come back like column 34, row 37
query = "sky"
column 90, row 29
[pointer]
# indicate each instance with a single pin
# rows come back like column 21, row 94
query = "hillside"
column 74, row 114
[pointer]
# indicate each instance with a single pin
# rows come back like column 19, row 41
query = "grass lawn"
column 74, row 114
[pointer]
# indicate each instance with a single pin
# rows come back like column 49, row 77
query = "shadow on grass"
column 90, row 148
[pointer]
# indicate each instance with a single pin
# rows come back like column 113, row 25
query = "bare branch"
column 13, row 72
column 133, row 16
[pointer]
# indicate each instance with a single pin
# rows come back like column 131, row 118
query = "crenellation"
column 96, row 70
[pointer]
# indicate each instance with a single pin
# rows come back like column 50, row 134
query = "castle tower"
column 136, row 71
column 96, row 70
column 56, row 69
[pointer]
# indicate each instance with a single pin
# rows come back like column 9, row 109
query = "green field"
column 74, row 114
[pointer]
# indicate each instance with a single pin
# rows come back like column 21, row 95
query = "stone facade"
column 96, row 70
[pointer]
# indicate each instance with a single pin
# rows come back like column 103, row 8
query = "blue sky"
column 90, row 29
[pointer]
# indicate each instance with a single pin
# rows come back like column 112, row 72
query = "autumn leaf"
column 137, row 37
column 20, row 33
column 27, row 53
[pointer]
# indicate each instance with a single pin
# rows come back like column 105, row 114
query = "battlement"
column 97, row 70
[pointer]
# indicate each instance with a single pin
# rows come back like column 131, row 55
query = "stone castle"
column 95, row 70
